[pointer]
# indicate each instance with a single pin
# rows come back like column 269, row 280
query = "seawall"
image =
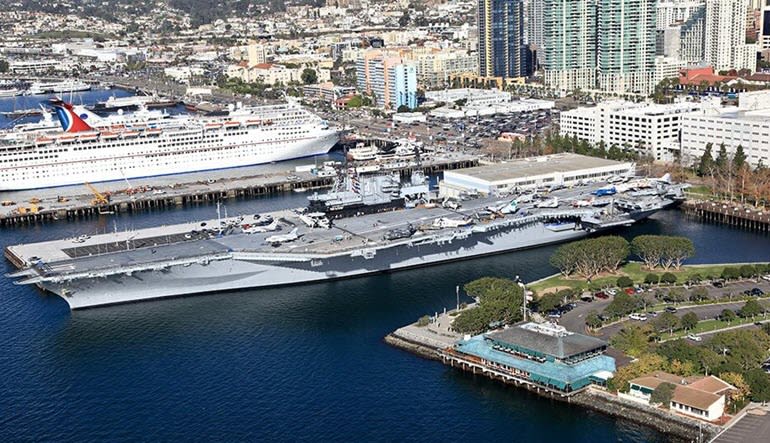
column 430, row 345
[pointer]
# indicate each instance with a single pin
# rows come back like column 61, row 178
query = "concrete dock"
column 73, row 202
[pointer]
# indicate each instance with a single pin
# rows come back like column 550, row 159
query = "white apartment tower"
column 725, row 36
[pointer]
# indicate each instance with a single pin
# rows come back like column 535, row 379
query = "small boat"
column 19, row 113
column 106, row 135
column 129, row 134
column 43, row 140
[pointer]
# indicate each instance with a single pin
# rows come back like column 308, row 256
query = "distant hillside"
column 200, row 11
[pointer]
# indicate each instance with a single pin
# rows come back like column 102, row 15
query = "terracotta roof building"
column 699, row 397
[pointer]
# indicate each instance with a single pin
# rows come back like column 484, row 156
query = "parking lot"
column 575, row 319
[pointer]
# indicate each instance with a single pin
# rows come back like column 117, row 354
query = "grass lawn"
column 711, row 325
column 632, row 270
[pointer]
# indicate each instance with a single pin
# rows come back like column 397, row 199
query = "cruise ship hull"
column 242, row 273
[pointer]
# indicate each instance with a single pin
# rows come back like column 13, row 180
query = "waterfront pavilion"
column 544, row 356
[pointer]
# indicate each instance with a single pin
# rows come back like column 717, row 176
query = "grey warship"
column 374, row 224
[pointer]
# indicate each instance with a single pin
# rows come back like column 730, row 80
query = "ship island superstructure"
column 147, row 145
column 304, row 246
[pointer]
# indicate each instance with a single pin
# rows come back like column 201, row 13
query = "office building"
column 569, row 28
column 725, row 36
column 626, row 45
column 747, row 125
column 647, row 129
column 502, row 52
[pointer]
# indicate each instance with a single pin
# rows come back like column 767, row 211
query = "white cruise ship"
column 89, row 149
column 68, row 85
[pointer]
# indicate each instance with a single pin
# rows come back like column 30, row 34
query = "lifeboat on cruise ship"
column 107, row 135
column 253, row 122
column 153, row 131
column 212, row 126
column 129, row 134
column 88, row 137
column 117, row 127
column 66, row 138
column 43, row 140
column 232, row 124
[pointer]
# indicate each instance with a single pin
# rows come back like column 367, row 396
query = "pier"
column 729, row 213
column 75, row 202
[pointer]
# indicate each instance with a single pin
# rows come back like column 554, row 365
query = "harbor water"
column 296, row 363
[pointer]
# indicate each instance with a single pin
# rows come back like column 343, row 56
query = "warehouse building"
column 565, row 169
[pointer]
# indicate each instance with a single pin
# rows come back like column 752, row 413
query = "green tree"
column 699, row 294
column 500, row 300
column 722, row 159
column 645, row 364
column 739, row 158
column 403, row 108
column 759, row 382
column 668, row 278
column 622, row 304
column 666, row 322
column 624, row 282
column 706, row 161
column 634, row 339
column 689, row 321
column 592, row 320
column 663, row 394
column 751, row 308
column 727, row 315
column 731, row 273
column 309, row 76
column 652, row 279
column 549, row 301
column 747, row 271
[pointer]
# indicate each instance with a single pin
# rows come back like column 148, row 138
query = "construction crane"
column 99, row 198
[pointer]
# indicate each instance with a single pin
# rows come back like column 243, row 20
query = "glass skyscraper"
column 502, row 52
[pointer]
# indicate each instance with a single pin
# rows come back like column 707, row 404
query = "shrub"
column 625, row 282
column 748, row 271
column 700, row 293
column 668, row 278
column 731, row 273
column 652, row 279
column 423, row 321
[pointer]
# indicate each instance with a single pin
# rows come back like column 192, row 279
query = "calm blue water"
column 297, row 363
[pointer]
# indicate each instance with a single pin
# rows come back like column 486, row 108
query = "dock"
column 729, row 213
column 75, row 202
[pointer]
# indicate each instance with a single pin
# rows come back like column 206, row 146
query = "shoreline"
column 595, row 399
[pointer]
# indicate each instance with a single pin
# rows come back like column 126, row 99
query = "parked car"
column 554, row 314
column 670, row 309
column 693, row 337
column 601, row 295
column 718, row 283
column 640, row 317
column 757, row 292
column 652, row 314
column 612, row 291
column 630, row 291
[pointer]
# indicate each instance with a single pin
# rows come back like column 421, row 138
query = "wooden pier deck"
column 729, row 213
column 74, row 202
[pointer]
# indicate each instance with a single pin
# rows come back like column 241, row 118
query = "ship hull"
column 132, row 166
column 235, row 274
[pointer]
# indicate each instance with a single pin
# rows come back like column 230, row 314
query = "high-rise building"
column 502, row 52
column 569, row 30
column 764, row 26
column 626, row 45
column 534, row 24
column 391, row 79
column 725, row 36
column 672, row 12
column 691, row 36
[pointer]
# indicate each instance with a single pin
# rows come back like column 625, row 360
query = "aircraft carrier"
column 303, row 246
